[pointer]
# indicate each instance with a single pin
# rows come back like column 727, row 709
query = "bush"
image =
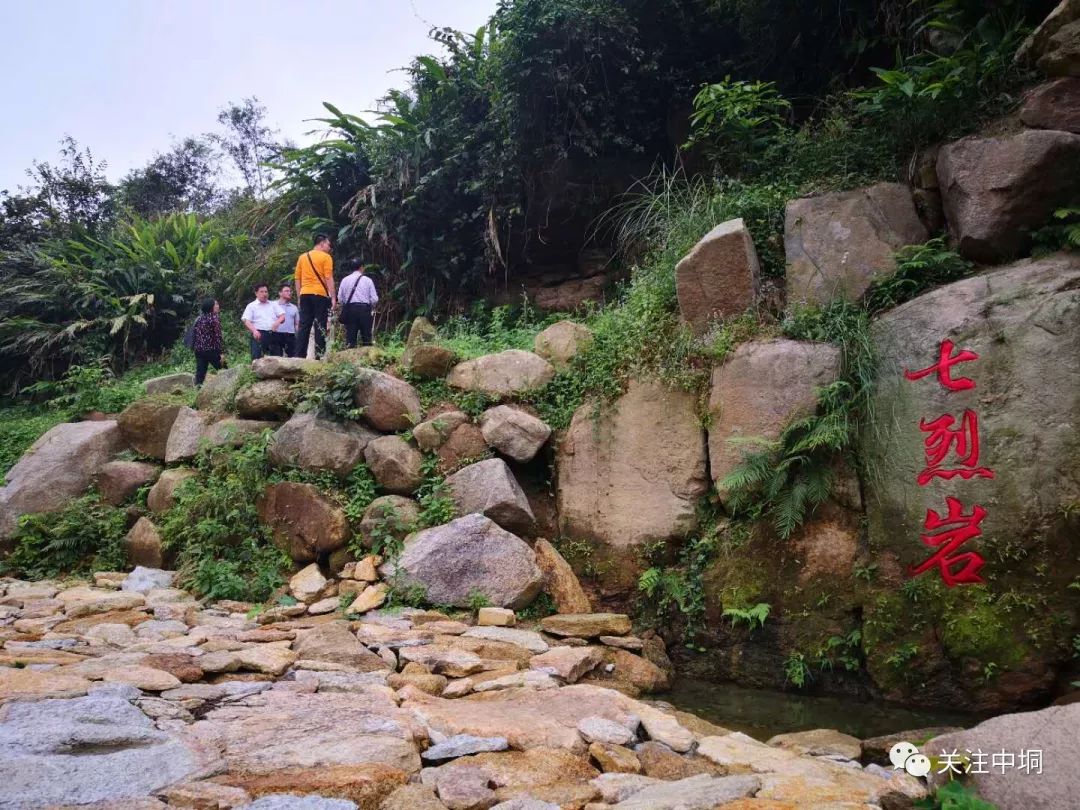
column 734, row 121
column 87, row 535
column 223, row 551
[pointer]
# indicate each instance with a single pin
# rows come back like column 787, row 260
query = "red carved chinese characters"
column 947, row 534
column 943, row 366
column 942, row 438
column 956, row 529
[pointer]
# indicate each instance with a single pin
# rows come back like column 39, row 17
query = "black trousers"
column 265, row 346
column 357, row 318
column 314, row 310
column 202, row 361
column 286, row 344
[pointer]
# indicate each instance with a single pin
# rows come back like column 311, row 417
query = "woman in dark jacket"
column 208, row 343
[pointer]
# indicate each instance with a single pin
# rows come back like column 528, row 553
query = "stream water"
column 763, row 713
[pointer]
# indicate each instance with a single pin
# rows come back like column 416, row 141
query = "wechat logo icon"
column 905, row 756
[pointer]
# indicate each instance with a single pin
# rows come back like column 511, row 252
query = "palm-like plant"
column 122, row 296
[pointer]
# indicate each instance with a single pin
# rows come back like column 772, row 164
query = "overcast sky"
column 127, row 77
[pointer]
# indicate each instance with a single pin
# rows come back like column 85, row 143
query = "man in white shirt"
column 262, row 317
column 286, row 333
column 358, row 299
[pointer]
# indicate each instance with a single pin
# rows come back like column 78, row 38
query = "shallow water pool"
column 763, row 713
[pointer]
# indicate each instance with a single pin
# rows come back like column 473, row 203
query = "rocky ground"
column 130, row 693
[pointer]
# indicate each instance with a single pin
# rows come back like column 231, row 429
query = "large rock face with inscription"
column 995, row 427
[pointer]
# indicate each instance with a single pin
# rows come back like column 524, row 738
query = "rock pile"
column 130, row 693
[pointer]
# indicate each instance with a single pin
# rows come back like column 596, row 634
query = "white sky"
column 128, row 77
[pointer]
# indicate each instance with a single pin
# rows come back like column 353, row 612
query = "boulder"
column 265, row 399
column 319, row 445
column 997, row 190
column 279, row 730
column 463, row 745
column 1051, row 732
column 307, row 584
column 1061, row 57
column 513, row 432
column 1020, row 321
column 145, row 425
column 1066, row 12
column 186, row 437
column 218, row 389
column 470, row 555
column 117, row 481
column 506, row 374
column 389, row 516
column 465, row 445
column 820, row 742
column 303, row 521
column 604, row 731
column 567, row 663
column 98, row 748
column 719, row 277
column 334, row 644
column 170, row 384
column 56, row 469
column 567, row 295
column 162, row 494
column 701, row 791
column 145, row 579
column 613, row 758
column 758, row 391
column 396, row 465
column 838, row 243
column 389, row 403
column 421, row 332
column 30, row 684
column 526, row 639
column 429, row 362
column 143, row 544
column 631, row 674
column 1054, row 105
column 528, row 718
column 587, row 625
column 560, row 581
column 234, row 432
column 623, row 482
column 495, row 617
column 490, row 489
column 372, row 597
column 561, row 342
column 285, row 368
column 432, row 433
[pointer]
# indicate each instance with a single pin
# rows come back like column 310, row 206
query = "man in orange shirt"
column 315, row 286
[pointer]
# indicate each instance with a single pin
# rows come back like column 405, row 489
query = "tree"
column 182, row 179
column 71, row 196
column 248, row 142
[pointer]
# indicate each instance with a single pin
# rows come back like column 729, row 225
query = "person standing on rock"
column 358, row 298
column 315, row 286
column 262, row 317
column 286, row 333
column 208, row 344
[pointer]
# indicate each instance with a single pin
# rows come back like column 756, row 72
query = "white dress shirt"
column 363, row 286
column 262, row 316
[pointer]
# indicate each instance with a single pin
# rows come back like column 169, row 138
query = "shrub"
column 223, row 550
column 735, row 120
column 87, row 535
